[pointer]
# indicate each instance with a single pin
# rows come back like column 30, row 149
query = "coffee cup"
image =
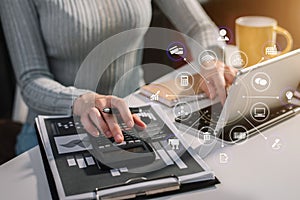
column 256, row 39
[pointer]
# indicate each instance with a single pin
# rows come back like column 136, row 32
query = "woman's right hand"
column 218, row 79
column 89, row 107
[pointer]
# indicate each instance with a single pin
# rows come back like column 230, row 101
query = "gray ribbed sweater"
column 48, row 40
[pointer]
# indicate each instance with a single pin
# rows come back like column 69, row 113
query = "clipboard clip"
column 136, row 180
column 140, row 186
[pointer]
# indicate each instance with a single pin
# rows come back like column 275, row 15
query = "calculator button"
column 71, row 162
column 90, row 161
column 120, row 144
column 115, row 172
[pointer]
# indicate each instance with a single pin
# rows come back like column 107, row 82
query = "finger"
column 99, row 122
column 220, row 84
column 114, row 128
column 139, row 122
column 211, row 89
column 124, row 111
column 204, row 88
column 230, row 74
column 88, row 125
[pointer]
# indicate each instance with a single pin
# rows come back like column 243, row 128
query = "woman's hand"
column 217, row 80
column 89, row 107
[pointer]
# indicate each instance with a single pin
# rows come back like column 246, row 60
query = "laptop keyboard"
column 206, row 117
column 209, row 116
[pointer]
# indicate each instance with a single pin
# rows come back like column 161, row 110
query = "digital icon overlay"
column 277, row 144
column 176, row 51
column 174, row 143
column 208, row 59
column 223, row 158
column 182, row 111
column 260, row 112
column 238, row 60
column 223, row 35
column 155, row 96
column 271, row 50
column 184, row 81
column 239, row 133
column 261, row 81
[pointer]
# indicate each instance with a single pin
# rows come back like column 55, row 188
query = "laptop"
column 257, row 100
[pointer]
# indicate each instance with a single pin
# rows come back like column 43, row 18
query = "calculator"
column 133, row 152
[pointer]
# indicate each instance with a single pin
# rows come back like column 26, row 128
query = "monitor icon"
column 260, row 112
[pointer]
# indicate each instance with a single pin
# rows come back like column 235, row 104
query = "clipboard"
column 172, row 189
column 147, row 186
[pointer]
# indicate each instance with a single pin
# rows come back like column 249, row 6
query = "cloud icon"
column 261, row 81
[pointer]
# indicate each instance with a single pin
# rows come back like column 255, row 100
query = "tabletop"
column 253, row 170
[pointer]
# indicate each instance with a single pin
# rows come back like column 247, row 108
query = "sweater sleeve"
column 191, row 19
column 23, row 35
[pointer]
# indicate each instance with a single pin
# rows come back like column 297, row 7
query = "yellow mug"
column 256, row 39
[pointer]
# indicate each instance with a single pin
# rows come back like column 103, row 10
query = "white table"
column 254, row 171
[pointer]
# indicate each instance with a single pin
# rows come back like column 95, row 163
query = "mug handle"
column 288, row 37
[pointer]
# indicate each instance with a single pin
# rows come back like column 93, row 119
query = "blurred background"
column 222, row 12
column 286, row 12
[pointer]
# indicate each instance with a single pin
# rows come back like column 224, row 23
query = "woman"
column 48, row 40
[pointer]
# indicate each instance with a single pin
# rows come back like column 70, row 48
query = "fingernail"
column 130, row 124
column 95, row 133
column 119, row 138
